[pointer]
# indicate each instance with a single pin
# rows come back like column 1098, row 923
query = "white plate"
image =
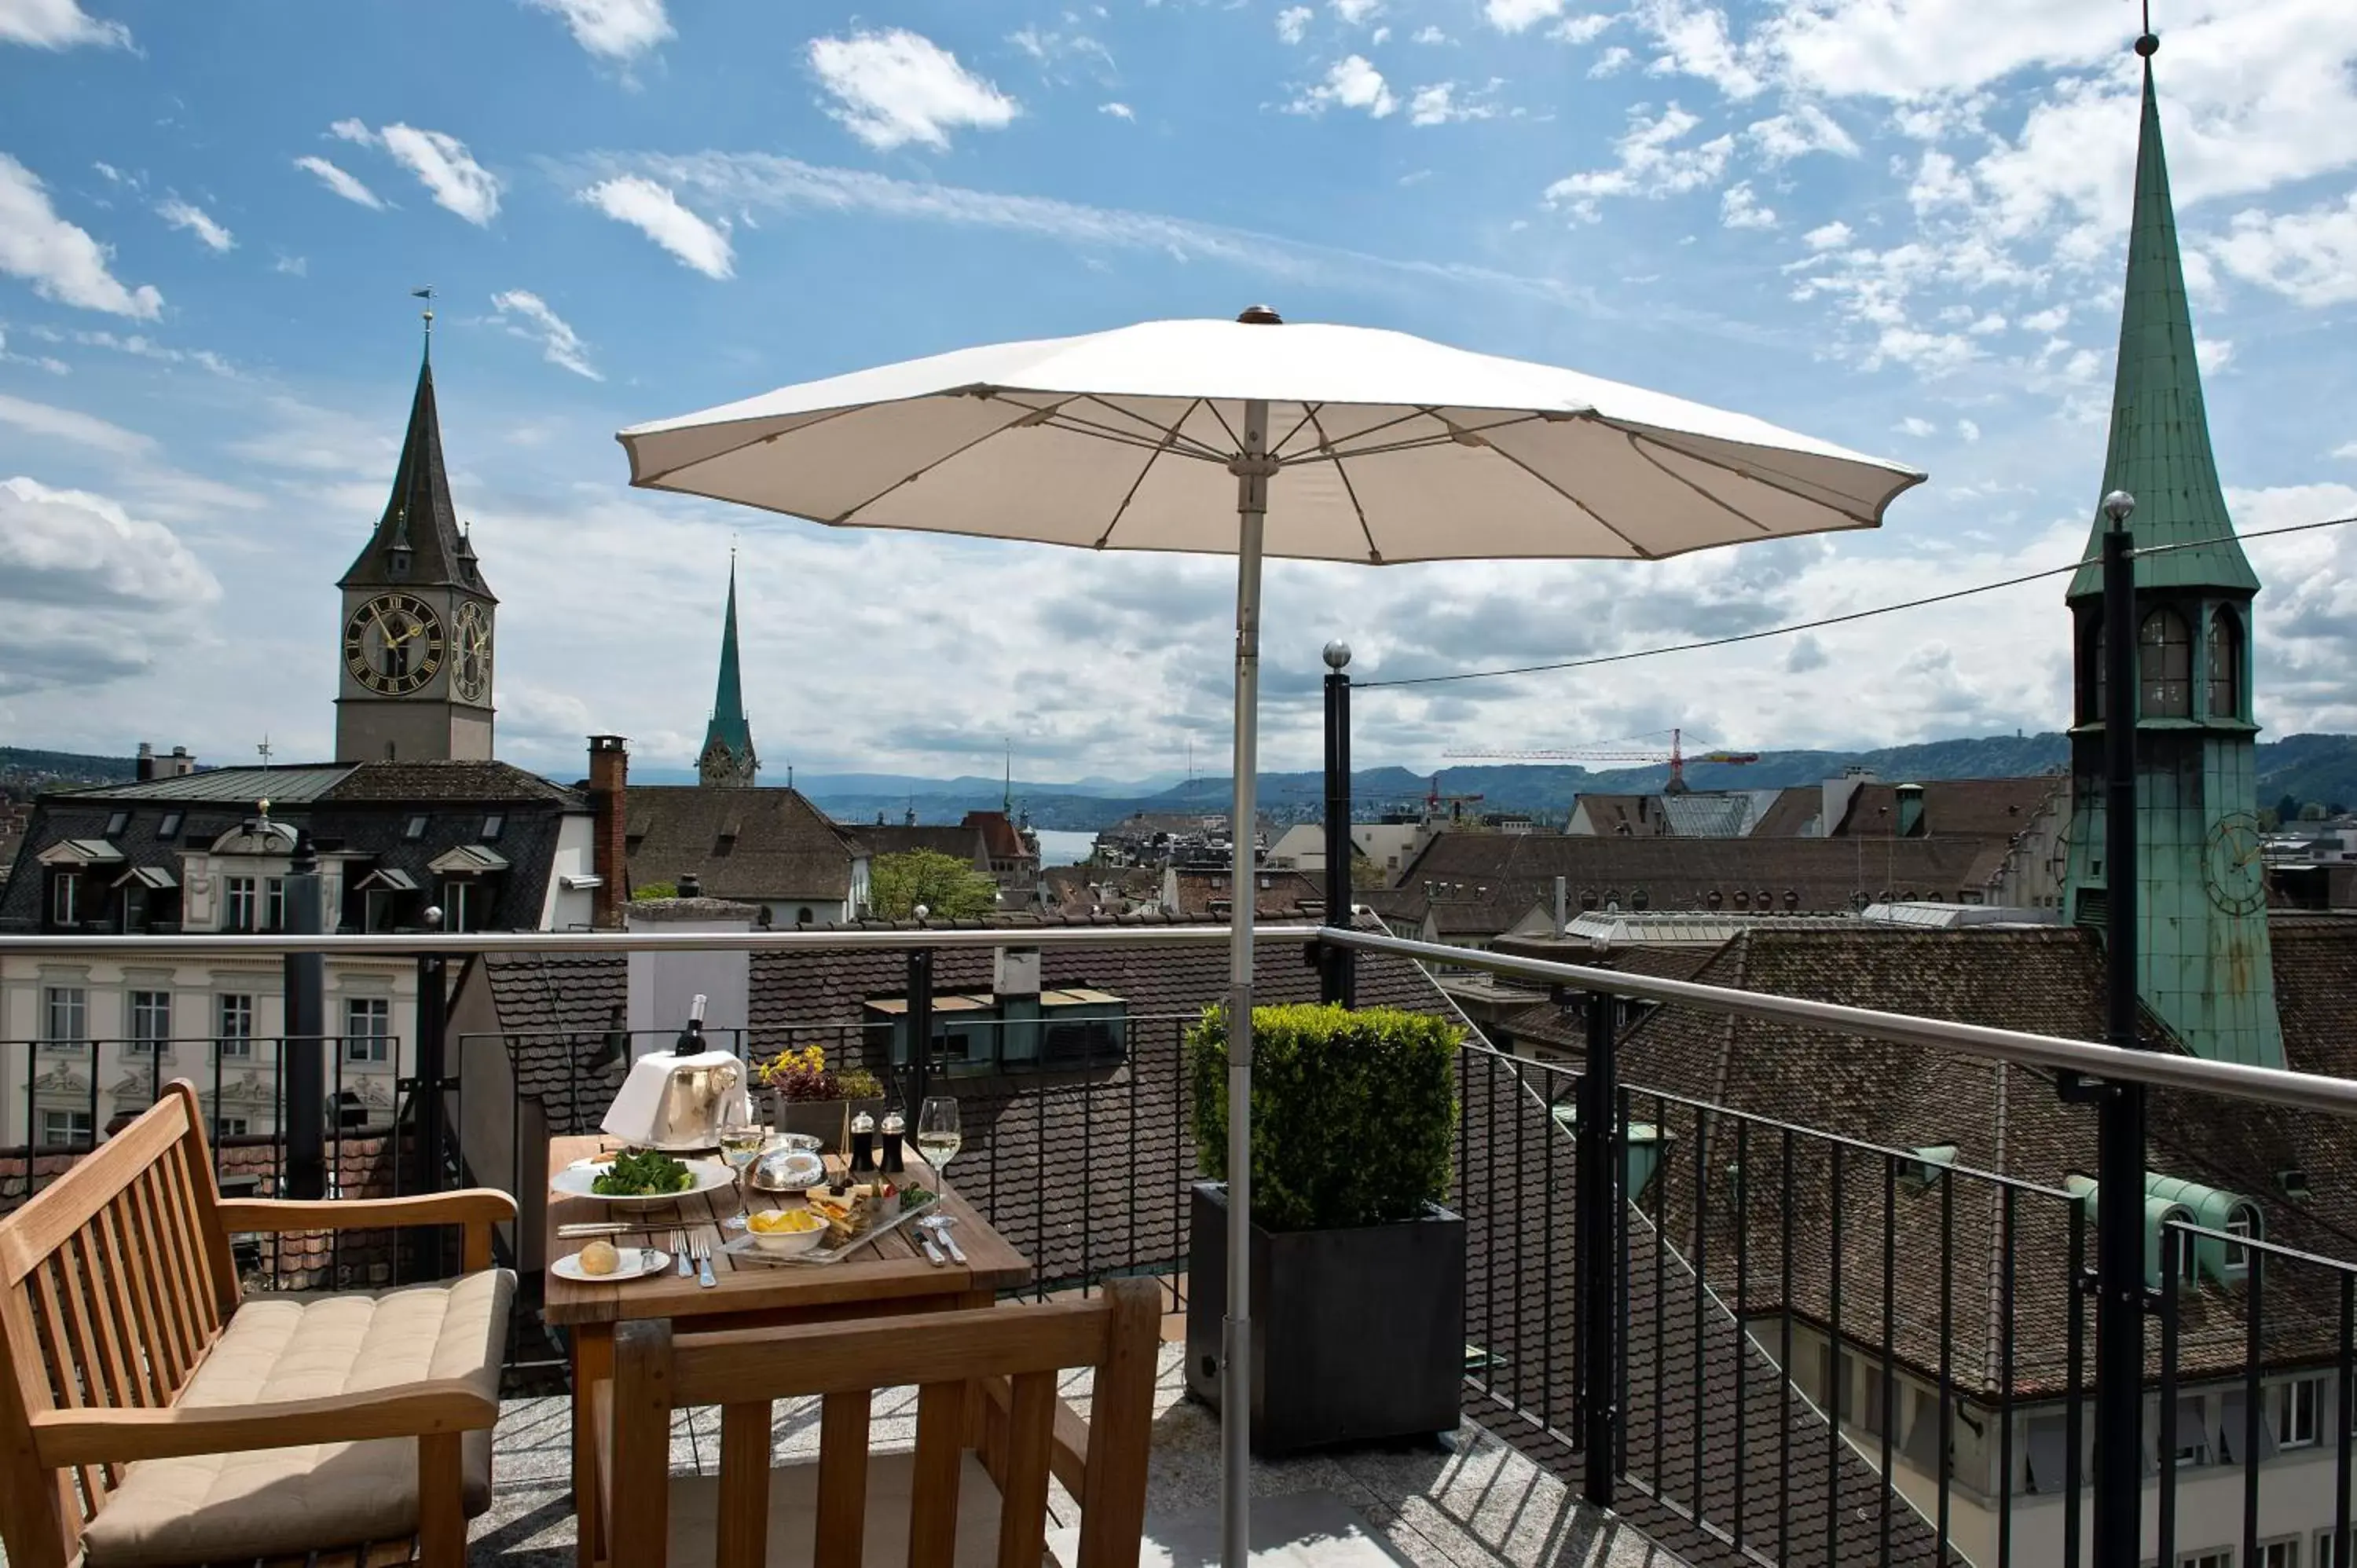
column 635, row 1265
column 574, row 1181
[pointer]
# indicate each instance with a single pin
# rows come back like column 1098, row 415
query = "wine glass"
column 740, row 1145
column 938, row 1138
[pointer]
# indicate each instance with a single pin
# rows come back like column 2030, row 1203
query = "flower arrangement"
column 802, row 1076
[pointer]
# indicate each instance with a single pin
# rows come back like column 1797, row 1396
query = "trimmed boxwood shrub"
column 1353, row 1113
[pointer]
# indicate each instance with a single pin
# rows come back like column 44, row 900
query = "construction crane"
column 1675, row 757
column 1434, row 799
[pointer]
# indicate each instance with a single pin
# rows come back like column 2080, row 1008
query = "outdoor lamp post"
column 1338, row 977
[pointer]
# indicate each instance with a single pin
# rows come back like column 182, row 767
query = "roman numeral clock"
column 393, row 644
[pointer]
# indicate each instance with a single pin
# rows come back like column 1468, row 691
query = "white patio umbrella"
column 1327, row 442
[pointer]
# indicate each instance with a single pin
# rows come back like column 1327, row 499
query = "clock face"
column 2232, row 868
column 470, row 669
column 392, row 644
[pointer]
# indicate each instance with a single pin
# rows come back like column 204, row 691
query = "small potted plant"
column 808, row 1095
column 1356, row 1267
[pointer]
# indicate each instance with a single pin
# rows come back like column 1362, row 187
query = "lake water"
column 1064, row 846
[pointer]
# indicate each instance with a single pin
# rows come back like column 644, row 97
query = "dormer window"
column 65, row 897
column 415, row 828
column 170, row 827
column 115, row 823
column 492, row 825
column 2243, row 1223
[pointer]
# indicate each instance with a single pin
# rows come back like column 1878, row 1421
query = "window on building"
column 65, row 899
column 416, row 828
column 2325, row 1556
column 493, row 825
column 2278, row 1554
column 65, row 1128
column 234, row 1025
column 466, row 904
column 66, row 1010
column 2226, row 668
column 115, row 823
column 2193, row 1430
column 239, row 904
column 2045, row 1456
column 273, row 904
column 2297, row 1404
column 169, row 828
column 229, row 1127
column 368, row 1029
column 2223, row 1557
column 151, row 1020
column 2164, row 666
column 2242, row 1220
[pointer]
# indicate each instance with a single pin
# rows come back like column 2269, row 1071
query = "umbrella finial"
column 1261, row 316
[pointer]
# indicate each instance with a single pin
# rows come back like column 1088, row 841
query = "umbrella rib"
column 1416, row 443
column 1131, row 494
column 654, row 477
column 1600, row 519
column 951, row 455
column 1797, row 488
column 1166, row 435
column 1358, row 508
column 1308, row 417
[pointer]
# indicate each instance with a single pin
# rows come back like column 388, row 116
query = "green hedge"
column 1353, row 1113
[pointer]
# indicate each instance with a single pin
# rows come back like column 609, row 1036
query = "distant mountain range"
column 2306, row 767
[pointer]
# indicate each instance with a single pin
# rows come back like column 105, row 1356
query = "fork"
column 686, row 1263
column 703, row 1265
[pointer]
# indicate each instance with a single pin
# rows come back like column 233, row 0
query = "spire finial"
column 2147, row 42
column 427, row 293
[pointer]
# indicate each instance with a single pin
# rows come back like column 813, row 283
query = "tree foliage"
column 948, row 888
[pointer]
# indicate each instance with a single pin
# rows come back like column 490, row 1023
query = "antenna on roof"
column 264, row 750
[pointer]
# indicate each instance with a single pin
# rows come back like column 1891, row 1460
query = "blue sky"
column 1893, row 223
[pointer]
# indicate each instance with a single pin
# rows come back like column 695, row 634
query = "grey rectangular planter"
column 1357, row 1335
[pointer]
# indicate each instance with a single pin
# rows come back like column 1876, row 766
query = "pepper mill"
column 862, row 1144
column 893, row 1130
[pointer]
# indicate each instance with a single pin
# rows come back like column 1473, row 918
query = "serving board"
column 830, row 1250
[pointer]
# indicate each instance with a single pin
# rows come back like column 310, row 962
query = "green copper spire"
column 2160, row 450
column 727, row 757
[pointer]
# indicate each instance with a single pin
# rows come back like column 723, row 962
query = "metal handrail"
column 387, row 944
column 2272, row 1086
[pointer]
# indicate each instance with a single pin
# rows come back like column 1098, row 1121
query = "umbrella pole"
column 1251, row 469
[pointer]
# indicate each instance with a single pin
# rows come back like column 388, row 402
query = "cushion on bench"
column 793, row 1515
column 171, row 1511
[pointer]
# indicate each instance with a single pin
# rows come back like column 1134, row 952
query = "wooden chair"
column 150, row 1415
column 986, row 1382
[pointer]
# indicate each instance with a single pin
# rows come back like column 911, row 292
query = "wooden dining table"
column 887, row 1276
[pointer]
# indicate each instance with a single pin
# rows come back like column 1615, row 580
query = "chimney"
column 1562, row 905
column 610, row 776
column 144, row 767
column 1911, row 811
column 180, row 763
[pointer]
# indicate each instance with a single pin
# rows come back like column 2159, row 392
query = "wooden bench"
column 990, row 1432
column 150, row 1414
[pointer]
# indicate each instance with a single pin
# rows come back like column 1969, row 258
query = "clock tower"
column 2205, row 967
column 415, row 650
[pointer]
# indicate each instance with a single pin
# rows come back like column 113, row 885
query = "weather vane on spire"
column 2147, row 42
column 427, row 293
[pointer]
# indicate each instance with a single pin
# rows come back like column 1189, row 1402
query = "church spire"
column 2159, row 449
column 727, row 757
column 416, row 542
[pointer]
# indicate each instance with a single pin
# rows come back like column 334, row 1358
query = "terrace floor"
column 1474, row 1503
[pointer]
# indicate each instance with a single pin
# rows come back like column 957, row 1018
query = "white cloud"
column 449, row 172
column 2212, row 353
column 1651, row 164
column 1292, row 23
column 70, row 425
column 1967, row 431
column 1354, row 12
column 896, row 87
column 60, row 546
column 1695, row 41
column 144, row 348
column 1802, row 130
column 2047, row 322
column 57, row 25
column 1611, row 62
column 1118, row 110
column 2310, row 257
column 1918, row 427
column 1437, row 105
column 1584, row 28
column 1353, row 83
column 1518, row 15
column 1429, row 35
column 342, row 183
column 195, row 220
column 658, row 214
column 292, row 266
column 1380, row 36
column 1739, row 209
column 615, row 29
column 59, row 259
column 1827, row 236
column 527, row 316
column 353, row 131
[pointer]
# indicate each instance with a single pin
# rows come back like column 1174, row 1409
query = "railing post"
column 1596, row 1257
column 433, row 1027
column 919, row 1021
column 1338, row 966
column 306, row 1005
column 2120, row 1127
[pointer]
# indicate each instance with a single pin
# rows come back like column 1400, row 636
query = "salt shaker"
column 894, row 1129
column 863, row 1143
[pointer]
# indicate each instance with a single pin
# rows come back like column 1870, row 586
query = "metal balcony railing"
column 1761, row 1341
